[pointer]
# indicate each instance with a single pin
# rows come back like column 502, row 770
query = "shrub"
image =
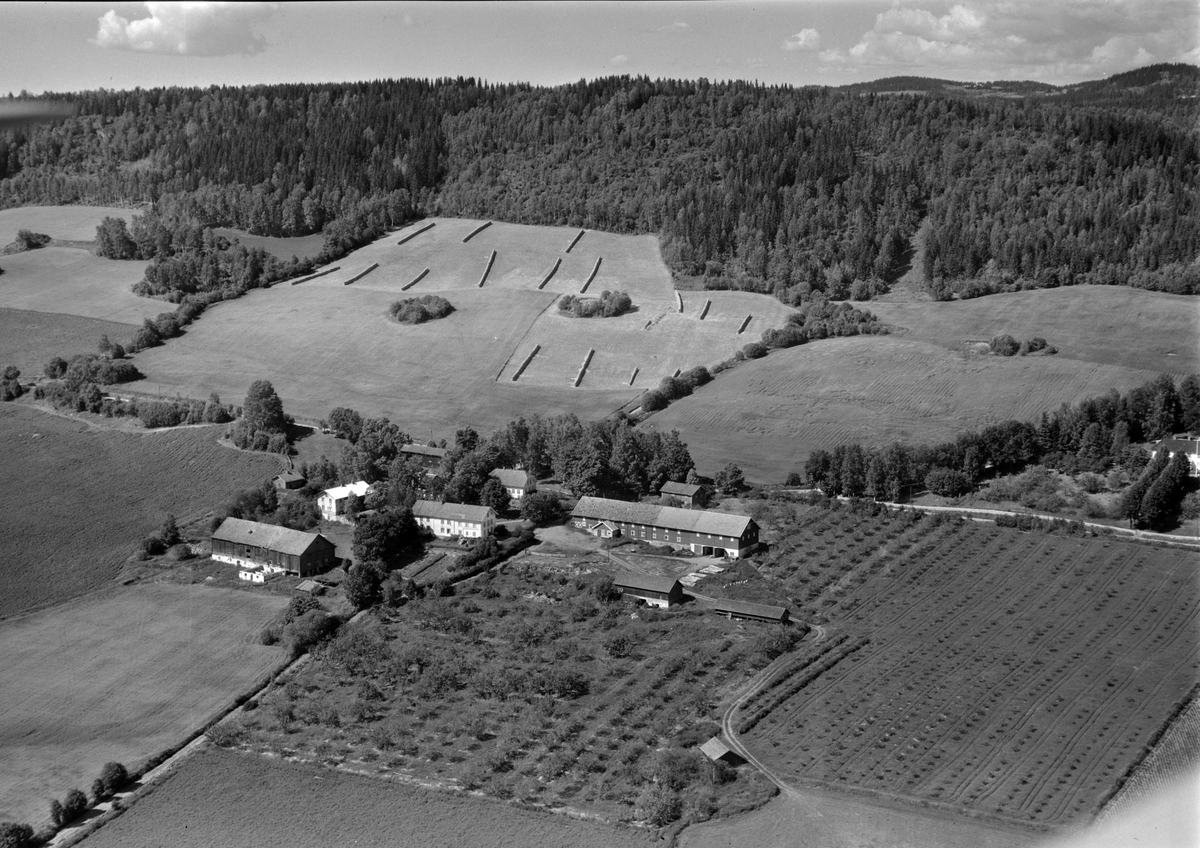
column 310, row 629
column 658, row 806
column 113, row 776
column 1004, row 345
column 14, row 835
column 609, row 305
column 948, row 482
column 754, row 350
column 418, row 310
column 28, row 240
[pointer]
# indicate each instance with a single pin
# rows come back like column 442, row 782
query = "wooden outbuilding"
column 657, row 591
column 752, row 612
column 702, row 531
column 288, row 480
column 430, row 458
column 269, row 549
column 689, row 494
column 516, row 481
column 718, row 751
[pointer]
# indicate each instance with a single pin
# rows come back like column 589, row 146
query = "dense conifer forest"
column 767, row 188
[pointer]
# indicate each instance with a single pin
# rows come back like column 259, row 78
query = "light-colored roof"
column 289, row 475
column 424, row 450
column 1191, row 446
column 512, row 478
column 715, row 748
column 270, row 536
column 310, row 586
column 453, row 511
column 687, row 490
column 747, row 608
column 670, row 517
column 644, row 582
column 360, row 488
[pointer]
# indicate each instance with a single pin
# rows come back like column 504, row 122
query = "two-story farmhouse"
column 701, row 531
column 429, row 458
column 447, row 520
column 332, row 503
column 264, row 549
column 517, row 482
column 1187, row 446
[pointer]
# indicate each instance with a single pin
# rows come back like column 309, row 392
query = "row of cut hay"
column 583, row 368
column 415, row 280
column 592, row 276
column 318, row 274
column 417, row 232
column 476, row 231
column 358, row 277
column 548, row 277
column 487, row 269
column 525, row 364
column 574, row 241
column 633, row 376
column 705, row 308
column 679, row 298
column 745, row 324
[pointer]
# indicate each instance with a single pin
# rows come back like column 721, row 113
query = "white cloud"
column 678, row 26
column 619, row 59
column 805, row 39
column 1053, row 40
column 188, row 29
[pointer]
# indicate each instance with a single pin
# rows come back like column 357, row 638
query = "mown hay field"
column 768, row 414
column 1110, row 325
column 325, row 344
column 69, row 223
column 302, row 247
column 78, row 499
column 1004, row 674
column 119, row 677
column 30, row 339
column 73, row 281
column 221, row 798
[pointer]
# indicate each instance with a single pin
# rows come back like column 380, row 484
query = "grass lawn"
column 303, row 247
column 29, row 339
column 119, row 677
column 73, row 281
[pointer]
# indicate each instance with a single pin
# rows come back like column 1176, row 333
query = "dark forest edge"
column 774, row 189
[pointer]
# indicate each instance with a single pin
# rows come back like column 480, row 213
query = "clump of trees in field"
column 10, row 383
column 418, row 310
column 610, row 304
column 1006, row 345
column 27, row 240
column 673, row 388
column 263, row 425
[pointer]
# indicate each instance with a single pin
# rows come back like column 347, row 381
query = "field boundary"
column 415, row 280
column 553, row 271
column 476, row 231
column 487, row 269
column 416, row 233
column 318, row 274
column 583, row 368
column 358, row 277
column 592, row 276
column 575, row 241
column 525, row 364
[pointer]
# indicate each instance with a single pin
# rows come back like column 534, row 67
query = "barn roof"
column 670, row 517
column 424, row 450
column 748, row 609
column 270, row 536
column 715, row 748
column 687, row 490
column 645, row 582
column 512, row 478
column 452, row 511
column 1191, row 446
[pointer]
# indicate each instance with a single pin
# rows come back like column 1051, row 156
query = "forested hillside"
column 768, row 188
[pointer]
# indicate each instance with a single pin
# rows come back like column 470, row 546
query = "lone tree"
column 263, row 410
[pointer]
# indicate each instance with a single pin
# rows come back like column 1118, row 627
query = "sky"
column 79, row 46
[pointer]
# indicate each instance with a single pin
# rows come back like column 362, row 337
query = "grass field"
column 77, row 499
column 70, row 223
column 121, row 676
column 72, row 281
column 303, row 247
column 1108, row 325
column 324, row 344
column 30, row 339
column 995, row 672
column 220, row 798
column 768, row 414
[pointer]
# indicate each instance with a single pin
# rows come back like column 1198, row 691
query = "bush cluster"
column 10, row 387
column 1006, row 345
column 418, row 310
column 673, row 388
column 609, row 305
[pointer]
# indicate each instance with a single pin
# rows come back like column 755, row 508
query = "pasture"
column 120, row 676
column 1008, row 675
column 78, row 499
column 1107, row 325
column 221, row 798
column 768, row 414
column 72, row 281
column 302, row 247
column 68, row 223
column 30, row 339
column 324, row 344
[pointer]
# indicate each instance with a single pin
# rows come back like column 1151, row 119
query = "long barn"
column 701, row 531
column 262, row 549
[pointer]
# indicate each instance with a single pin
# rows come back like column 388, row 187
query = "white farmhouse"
column 447, row 520
column 516, row 481
column 1189, row 447
column 332, row 502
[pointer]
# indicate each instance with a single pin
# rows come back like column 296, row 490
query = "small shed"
column 717, row 751
column 310, row 587
column 752, row 612
column 689, row 494
column 604, row 530
column 288, row 480
column 657, row 591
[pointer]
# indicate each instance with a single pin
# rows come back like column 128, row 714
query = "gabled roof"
column 715, row 748
column 424, row 450
column 360, row 488
column 1190, row 446
column 747, row 608
column 270, row 536
column 670, row 517
column 291, row 476
column 645, row 582
column 452, row 511
column 512, row 478
column 687, row 490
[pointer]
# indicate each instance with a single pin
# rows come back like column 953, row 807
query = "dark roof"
column 670, row 517
column 511, row 478
column 749, row 609
column 1179, row 445
column 645, row 582
column 452, row 511
column 291, row 476
column 424, row 450
column 270, row 536
column 687, row 490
